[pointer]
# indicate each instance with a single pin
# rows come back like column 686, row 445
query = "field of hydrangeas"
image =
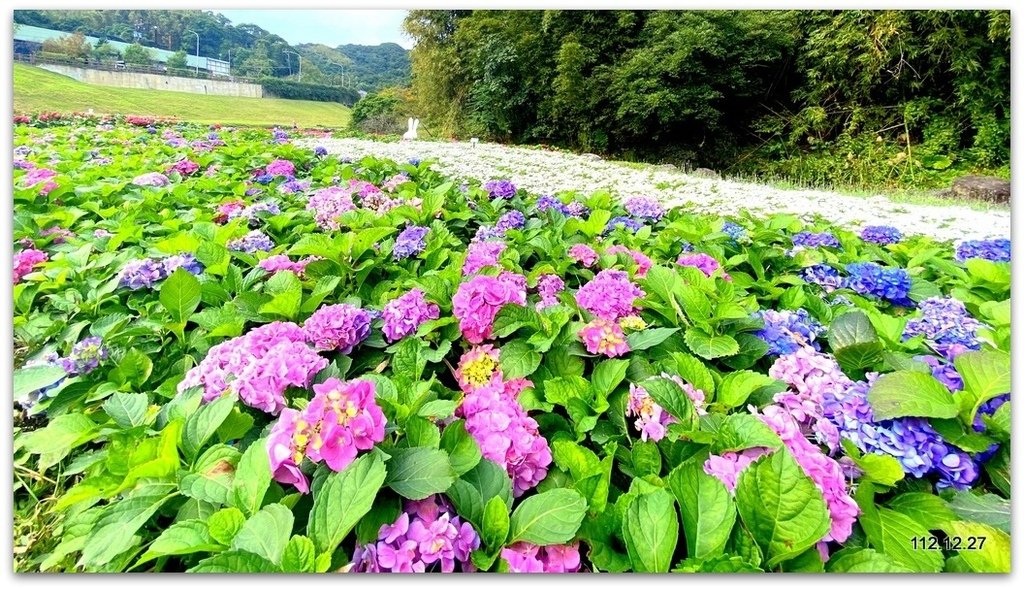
column 237, row 354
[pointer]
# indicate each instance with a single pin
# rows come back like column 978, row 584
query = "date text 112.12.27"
column 948, row 543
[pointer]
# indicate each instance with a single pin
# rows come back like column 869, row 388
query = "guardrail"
column 120, row 66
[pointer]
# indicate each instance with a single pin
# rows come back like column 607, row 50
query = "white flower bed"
column 547, row 172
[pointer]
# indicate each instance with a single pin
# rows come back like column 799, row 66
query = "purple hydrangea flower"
column 510, row 220
column 319, row 151
column 577, row 209
column 500, row 189
column 86, row 356
column 254, row 241
column 945, row 322
column 624, row 222
column 644, row 207
column 337, row 327
column 610, row 295
column 410, row 242
column 549, row 286
column 137, row 274
column 545, row 202
column 481, row 255
column 186, row 261
column 403, row 315
column 787, row 331
column 881, row 234
column 997, row 250
column 824, row 276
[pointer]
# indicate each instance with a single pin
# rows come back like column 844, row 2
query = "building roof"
column 39, row 34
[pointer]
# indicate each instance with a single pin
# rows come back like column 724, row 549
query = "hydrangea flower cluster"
column 997, row 250
column 293, row 186
column 404, row 314
column 545, row 202
column 410, row 242
column 478, row 300
column 480, row 255
column 644, row 207
column 785, row 331
column 144, row 272
column 505, row 434
column 702, row 262
column 734, row 230
column 184, row 167
column 883, row 235
column 478, row 367
column 943, row 371
column 527, row 558
column 888, row 283
column 151, row 179
column 26, row 260
column 583, row 254
column 258, row 366
column 342, row 419
column 826, row 472
column 280, row 262
column 85, row 356
column 500, row 189
column 727, row 467
column 40, row 176
column 510, row 220
column 811, row 376
column 643, row 262
column 609, row 295
column 549, row 286
column 327, row 204
column 606, row 337
column 806, row 239
column 824, row 276
column 624, row 222
column 337, row 327
column 254, row 241
column 651, row 419
column 912, row 441
column 392, row 183
column 946, row 324
column 428, row 535
column 577, row 209
column 281, row 168
column 60, row 234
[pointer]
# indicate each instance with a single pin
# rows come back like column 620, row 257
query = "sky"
column 330, row 27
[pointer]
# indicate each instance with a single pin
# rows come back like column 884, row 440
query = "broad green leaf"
column 518, row 359
column 180, row 294
column 53, row 442
column 863, row 561
column 201, row 425
column 737, row 386
column 649, row 338
column 266, row 533
column 462, row 449
column 650, row 529
column 418, row 472
column 929, row 510
column 252, row 478
column 127, row 409
column 984, row 548
column 708, row 510
column 984, row 508
column 909, row 393
column 986, row 374
column 722, row 564
column 495, row 526
column 29, row 379
column 780, row 505
column 299, row 555
column 710, row 347
column 693, row 371
column 853, row 340
column 234, row 562
column 607, row 375
column 114, row 532
column 285, row 290
column 672, row 398
column 548, row 518
column 181, row 538
column 342, row 500
column 892, row 533
column 743, row 431
column 225, row 524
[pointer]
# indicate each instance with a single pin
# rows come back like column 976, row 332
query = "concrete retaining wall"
column 157, row 82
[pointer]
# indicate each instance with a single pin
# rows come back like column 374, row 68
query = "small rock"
column 982, row 188
column 594, row 157
column 705, row 173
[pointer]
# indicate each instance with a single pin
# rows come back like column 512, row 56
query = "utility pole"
column 197, row 49
column 300, row 63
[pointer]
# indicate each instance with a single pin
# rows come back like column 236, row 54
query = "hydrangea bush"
column 234, row 353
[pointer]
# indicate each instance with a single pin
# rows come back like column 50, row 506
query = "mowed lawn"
column 38, row 90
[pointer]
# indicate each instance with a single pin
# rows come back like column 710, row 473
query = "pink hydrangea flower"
column 643, row 262
column 40, row 175
column 523, row 557
column 184, row 167
column 279, row 262
column 706, row 264
column 151, row 179
column 281, row 168
column 601, row 336
column 478, row 300
column 549, row 286
column 727, row 466
column 286, row 446
column 583, row 254
column 337, row 327
column 403, row 315
column 481, row 255
column 25, row 261
column 651, row 419
column 478, row 367
column 327, row 204
column 812, row 376
column 609, row 295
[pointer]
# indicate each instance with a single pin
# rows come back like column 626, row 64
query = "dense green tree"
column 178, row 62
column 137, row 55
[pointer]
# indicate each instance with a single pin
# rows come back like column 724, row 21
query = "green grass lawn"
column 38, row 90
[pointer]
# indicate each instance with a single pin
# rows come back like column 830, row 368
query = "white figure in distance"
column 413, row 126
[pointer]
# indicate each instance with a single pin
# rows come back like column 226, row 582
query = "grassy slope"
column 37, row 90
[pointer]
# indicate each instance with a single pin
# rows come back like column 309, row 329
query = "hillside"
column 369, row 67
column 39, row 90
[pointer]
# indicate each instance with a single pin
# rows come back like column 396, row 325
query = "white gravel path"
column 548, row 172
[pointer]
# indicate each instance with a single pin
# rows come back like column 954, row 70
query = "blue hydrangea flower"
column 500, row 189
column 510, row 220
column 252, row 242
column 628, row 223
column 997, row 250
column 823, row 275
column 786, row 331
column 644, row 207
column 881, row 234
column 186, row 261
column 946, row 324
column 319, row 151
column 264, row 178
column 734, row 230
column 872, row 279
column 410, row 242
column 414, row 161
column 806, row 239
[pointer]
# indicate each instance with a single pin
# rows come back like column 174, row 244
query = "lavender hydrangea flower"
column 319, row 151
column 137, row 274
column 824, row 276
column 85, row 356
column 888, row 283
column 883, row 235
column 549, row 286
column 945, row 322
column 545, row 202
column 500, row 189
column 624, row 222
column 510, row 220
column 186, row 261
column 403, row 315
column 577, row 209
column 481, row 255
column 410, row 242
column 254, row 241
column 806, row 239
column 644, row 207
column 337, row 327
column 786, row 331
column 997, row 250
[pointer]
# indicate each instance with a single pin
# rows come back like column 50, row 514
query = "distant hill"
column 251, row 50
column 370, row 67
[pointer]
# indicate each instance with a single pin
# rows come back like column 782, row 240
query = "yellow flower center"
column 478, row 371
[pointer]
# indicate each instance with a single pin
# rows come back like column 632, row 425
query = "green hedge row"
column 277, row 88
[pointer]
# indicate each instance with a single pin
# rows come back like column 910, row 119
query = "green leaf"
column 607, row 375
column 180, row 294
column 883, row 469
column 986, row 374
column 710, row 347
column 59, row 437
column 549, row 518
column 343, row 499
column 225, row 524
column 285, row 290
column 182, row 538
column 29, row 379
column 985, row 508
column 266, row 533
column 854, row 341
column 463, row 452
column 477, row 486
column 737, row 386
column 114, row 532
column 693, row 371
column 134, row 369
column 743, row 431
column 495, row 526
column 650, row 529
column 929, row 510
column 649, row 338
column 234, row 562
column 418, row 472
column 201, row 425
column 909, row 393
column 780, row 505
column 672, row 398
column 299, row 555
column 518, row 359
column 127, row 409
column 989, row 556
column 252, row 478
column 863, row 561
column 716, row 565
column 892, row 533
column 708, row 510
